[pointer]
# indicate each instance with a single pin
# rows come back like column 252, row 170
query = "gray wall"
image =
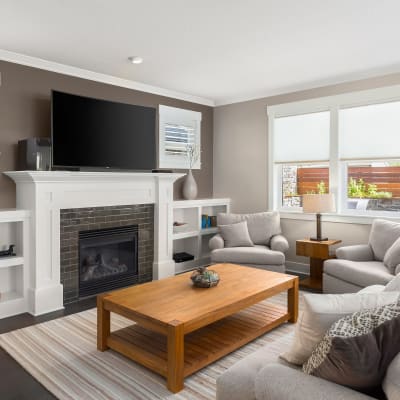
column 25, row 112
column 240, row 159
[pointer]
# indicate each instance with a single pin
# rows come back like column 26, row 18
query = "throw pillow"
column 393, row 285
column 236, row 235
column 383, row 235
column 392, row 256
column 321, row 311
column 262, row 226
column 391, row 383
column 357, row 350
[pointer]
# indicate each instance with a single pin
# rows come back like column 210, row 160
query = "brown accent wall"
column 25, row 112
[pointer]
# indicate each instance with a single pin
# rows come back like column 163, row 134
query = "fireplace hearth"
column 108, row 259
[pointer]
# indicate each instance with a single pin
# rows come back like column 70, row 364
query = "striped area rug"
column 61, row 354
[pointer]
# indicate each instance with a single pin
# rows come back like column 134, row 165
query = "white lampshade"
column 319, row 203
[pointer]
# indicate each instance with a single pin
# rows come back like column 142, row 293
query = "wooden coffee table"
column 180, row 329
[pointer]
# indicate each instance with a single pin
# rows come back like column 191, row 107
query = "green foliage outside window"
column 359, row 189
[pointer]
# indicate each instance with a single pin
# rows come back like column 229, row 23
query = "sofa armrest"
column 359, row 252
column 279, row 243
column 216, row 242
column 279, row 382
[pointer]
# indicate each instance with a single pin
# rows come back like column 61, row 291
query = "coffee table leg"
column 175, row 356
column 103, row 324
column 293, row 301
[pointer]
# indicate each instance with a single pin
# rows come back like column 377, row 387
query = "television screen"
column 96, row 133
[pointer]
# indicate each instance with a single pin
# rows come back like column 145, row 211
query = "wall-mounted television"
column 99, row 134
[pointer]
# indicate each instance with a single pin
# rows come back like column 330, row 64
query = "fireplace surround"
column 46, row 193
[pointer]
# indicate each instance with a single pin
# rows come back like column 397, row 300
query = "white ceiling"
column 221, row 50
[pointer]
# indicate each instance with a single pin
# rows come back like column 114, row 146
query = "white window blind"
column 301, row 138
column 370, row 132
column 178, row 128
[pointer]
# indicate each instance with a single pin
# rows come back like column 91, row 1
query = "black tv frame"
column 100, row 169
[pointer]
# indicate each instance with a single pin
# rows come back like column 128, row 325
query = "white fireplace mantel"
column 44, row 193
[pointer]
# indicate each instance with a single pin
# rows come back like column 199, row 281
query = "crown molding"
column 318, row 84
column 35, row 62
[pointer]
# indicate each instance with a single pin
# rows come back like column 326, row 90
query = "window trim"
column 174, row 115
column 333, row 104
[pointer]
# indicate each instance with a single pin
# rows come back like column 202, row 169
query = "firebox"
column 108, row 259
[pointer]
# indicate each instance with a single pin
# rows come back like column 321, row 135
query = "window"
column 373, row 186
column 301, row 154
column 347, row 144
column 178, row 129
column 302, row 179
column 369, row 138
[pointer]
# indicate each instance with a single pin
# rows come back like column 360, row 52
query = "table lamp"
column 319, row 203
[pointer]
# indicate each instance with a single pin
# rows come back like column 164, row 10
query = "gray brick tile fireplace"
column 76, row 220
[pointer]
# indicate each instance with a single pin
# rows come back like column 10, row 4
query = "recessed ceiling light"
column 135, row 59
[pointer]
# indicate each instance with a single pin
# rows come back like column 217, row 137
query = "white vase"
column 189, row 189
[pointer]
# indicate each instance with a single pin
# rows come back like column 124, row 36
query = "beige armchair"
column 265, row 232
column 375, row 263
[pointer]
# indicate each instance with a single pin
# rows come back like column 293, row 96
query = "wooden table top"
column 329, row 242
column 176, row 299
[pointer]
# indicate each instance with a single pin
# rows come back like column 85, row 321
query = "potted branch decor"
column 189, row 189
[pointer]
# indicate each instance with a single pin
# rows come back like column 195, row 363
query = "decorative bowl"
column 204, row 278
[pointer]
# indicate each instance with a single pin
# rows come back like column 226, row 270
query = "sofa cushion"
column 278, row 382
column 235, row 235
column 393, row 285
column 321, row 311
column 392, row 256
column 238, row 381
column 373, row 289
column 362, row 274
column 262, row 226
column 357, row 349
column 391, row 382
column 248, row 255
column 383, row 235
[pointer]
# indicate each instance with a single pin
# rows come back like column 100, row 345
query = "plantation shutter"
column 178, row 128
column 177, row 138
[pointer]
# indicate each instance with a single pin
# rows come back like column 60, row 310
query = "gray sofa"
column 265, row 232
column 254, row 378
column 262, row 376
column 363, row 265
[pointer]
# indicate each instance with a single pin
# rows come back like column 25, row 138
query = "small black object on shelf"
column 9, row 252
column 181, row 257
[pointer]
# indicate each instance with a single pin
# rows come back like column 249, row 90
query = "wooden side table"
column 318, row 253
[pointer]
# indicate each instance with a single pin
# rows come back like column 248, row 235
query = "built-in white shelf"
column 11, row 261
column 14, row 270
column 209, row 231
column 183, row 235
column 194, row 240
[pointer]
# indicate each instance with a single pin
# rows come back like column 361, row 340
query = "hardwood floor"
column 15, row 382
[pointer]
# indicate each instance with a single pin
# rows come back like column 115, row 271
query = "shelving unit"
column 14, row 271
column 194, row 240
